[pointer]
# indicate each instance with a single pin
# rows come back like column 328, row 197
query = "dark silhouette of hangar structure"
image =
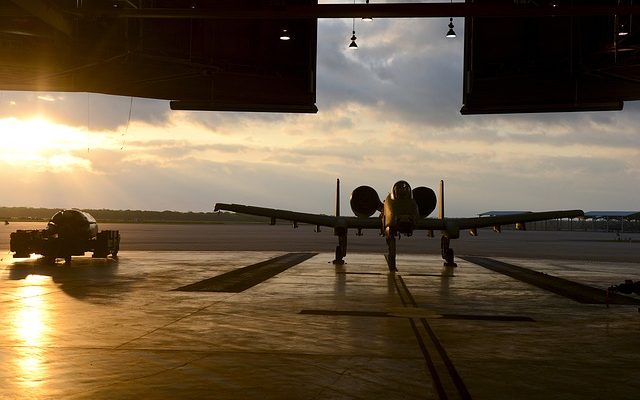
column 212, row 63
column 520, row 55
column 582, row 62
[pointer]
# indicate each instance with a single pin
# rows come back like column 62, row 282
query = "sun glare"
column 31, row 327
column 41, row 144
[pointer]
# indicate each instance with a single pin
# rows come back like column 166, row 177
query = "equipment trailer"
column 69, row 233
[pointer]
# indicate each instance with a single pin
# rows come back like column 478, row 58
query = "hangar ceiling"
column 520, row 55
column 551, row 63
column 208, row 64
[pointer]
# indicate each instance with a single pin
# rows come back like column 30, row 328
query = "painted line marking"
column 572, row 290
column 241, row 279
column 441, row 367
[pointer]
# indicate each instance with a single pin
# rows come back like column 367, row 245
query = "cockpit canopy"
column 401, row 190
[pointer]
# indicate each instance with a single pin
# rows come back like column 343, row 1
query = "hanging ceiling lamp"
column 353, row 44
column 368, row 19
column 622, row 30
column 451, row 33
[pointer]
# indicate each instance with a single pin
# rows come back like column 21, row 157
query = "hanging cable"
column 353, row 44
column 126, row 129
column 451, row 33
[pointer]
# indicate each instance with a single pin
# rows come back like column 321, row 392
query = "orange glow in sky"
column 39, row 144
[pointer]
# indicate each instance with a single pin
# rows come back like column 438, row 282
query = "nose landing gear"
column 391, row 255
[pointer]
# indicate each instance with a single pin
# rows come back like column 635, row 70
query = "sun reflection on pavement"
column 31, row 321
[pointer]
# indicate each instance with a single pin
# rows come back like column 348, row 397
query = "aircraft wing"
column 306, row 218
column 482, row 222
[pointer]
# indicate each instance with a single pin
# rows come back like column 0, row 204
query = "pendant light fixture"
column 451, row 33
column 353, row 44
column 368, row 19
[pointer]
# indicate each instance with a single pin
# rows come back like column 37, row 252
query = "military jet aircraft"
column 403, row 211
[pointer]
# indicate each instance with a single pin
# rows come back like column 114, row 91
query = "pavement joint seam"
column 171, row 323
column 451, row 371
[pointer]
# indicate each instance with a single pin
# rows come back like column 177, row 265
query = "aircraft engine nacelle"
column 365, row 201
column 426, row 200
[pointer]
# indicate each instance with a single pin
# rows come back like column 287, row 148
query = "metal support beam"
column 47, row 13
column 385, row 10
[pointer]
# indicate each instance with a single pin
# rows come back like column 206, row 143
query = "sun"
column 38, row 143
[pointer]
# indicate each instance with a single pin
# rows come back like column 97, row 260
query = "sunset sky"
column 388, row 111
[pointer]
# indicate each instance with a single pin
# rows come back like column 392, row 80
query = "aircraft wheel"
column 67, row 259
column 448, row 258
column 338, row 260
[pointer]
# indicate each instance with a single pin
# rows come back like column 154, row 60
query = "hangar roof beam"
column 48, row 14
column 384, row 10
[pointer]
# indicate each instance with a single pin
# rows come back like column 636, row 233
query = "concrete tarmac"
column 589, row 246
column 120, row 329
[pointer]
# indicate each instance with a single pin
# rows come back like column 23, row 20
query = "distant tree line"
column 132, row 216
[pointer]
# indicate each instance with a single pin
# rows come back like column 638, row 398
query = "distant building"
column 607, row 221
column 614, row 220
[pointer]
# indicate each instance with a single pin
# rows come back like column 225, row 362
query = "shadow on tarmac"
column 89, row 279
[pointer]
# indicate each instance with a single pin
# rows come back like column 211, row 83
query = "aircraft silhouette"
column 403, row 211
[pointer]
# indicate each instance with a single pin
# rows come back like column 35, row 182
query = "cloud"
column 388, row 111
column 398, row 72
column 46, row 97
column 189, row 185
column 95, row 111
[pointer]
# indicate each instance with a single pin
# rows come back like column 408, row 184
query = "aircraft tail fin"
column 441, row 200
column 338, row 197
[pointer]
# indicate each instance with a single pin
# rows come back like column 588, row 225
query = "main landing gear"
column 447, row 252
column 447, row 255
column 341, row 248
